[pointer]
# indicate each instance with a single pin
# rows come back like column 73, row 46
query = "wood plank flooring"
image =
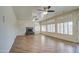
column 42, row 44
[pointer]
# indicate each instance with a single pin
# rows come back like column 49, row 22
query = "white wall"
column 8, row 30
column 22, row 24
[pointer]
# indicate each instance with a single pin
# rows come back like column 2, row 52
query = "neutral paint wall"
column 74, row 15
column 22, row 24
column 8, row 29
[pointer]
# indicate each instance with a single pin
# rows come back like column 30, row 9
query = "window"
column 61, row 28
column 58, row 27
column 44, row 28
column 49, row 28
column 70, row 28
column 65, row 28
column 52, row 27
column 37, row 27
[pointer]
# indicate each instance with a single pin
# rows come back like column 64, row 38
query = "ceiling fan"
column 46, row 9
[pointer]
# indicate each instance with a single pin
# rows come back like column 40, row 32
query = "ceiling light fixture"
column 33, row 20
column 45, row 13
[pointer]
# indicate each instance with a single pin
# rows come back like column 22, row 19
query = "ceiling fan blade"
column 49, row 7
column 40, row 10
column 50, row 11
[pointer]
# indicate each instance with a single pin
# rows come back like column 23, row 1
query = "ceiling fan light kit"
column 46, row 9
column 45, row 13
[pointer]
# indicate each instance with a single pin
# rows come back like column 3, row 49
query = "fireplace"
column 29, row 31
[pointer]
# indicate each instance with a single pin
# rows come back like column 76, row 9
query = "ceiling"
column 60, row 10
column 26, row 12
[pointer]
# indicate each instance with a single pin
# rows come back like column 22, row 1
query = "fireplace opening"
column 29, row 31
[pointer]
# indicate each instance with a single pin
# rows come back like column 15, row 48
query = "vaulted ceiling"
column 60, row 10
column 26, row 12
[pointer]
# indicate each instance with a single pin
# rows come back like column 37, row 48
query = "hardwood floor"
column 42, row 44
